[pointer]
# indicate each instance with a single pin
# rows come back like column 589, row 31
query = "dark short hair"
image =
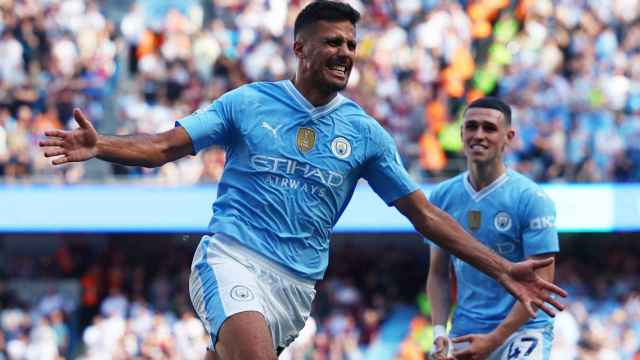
column 324, row 10
column 490, row 102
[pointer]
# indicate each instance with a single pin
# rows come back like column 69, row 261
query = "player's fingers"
column 56, row 133
column 59, row 161
column 547, row 309
column 441, row 341
column 81, row 119
column 555, row 303
column 45, row 143
column 464, row 338
column 54, row 152
column 553, row 288
column 462, row 354
column 540, row 263
column 529, row 307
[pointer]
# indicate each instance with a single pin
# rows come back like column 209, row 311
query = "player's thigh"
column 534, row 344
column 245, row 336
column 221, row 287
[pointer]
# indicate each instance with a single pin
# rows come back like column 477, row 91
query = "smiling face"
column 326, row 52
column 485, row 135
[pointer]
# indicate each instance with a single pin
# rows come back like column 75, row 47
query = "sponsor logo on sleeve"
column 542, row 222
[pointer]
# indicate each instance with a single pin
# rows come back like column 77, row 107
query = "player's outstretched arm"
column 84, row 143
column 519, row 279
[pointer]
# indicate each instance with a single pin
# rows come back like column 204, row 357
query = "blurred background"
column 94, row 257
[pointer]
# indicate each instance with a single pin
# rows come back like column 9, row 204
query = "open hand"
column 529, row 288
column 480, row 346
column 72, row 145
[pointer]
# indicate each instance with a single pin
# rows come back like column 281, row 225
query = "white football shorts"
column 525, row 344
column 228, row 278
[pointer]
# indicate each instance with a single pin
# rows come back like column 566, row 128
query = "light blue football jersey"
column 291, row 169
column 512, row 216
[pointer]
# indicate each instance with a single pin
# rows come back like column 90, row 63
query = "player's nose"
column 344, row 51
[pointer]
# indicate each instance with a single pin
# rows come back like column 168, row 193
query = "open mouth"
column 478, row 147
column 338, row 70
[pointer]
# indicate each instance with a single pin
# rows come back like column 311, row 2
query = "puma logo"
column 273, row 130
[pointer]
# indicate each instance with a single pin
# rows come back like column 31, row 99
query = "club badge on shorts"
column 474, row 219
column 241, row 293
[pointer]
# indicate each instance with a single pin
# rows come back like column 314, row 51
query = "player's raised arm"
column 84, row 143
column 519, row 279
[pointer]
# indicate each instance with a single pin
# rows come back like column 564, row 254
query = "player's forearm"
column 449, row 235
column 133, row 150
column 439, row 293
column 517, row 317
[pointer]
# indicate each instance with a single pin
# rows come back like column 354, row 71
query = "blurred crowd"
column 133, row 303
column 570, row 69
column 56, row 55
column 132, row 306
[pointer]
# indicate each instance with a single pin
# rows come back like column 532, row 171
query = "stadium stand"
column 569, row 68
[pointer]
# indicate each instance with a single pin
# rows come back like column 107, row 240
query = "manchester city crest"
column 241, row 293
column 502, row 221
column 341, row 147
column 305, row 139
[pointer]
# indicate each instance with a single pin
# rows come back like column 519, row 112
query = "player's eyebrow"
column 480, row 122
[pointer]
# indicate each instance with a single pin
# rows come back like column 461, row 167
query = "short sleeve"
column 384, row 170
column 539, row 235
column 212, row 124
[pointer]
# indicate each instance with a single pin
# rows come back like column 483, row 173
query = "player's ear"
column 511, row 133
column 298, row 47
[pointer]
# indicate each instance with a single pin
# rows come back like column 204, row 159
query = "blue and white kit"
column 514, row 217
column 290, row 172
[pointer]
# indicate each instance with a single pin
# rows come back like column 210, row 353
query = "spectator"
column 567, row 68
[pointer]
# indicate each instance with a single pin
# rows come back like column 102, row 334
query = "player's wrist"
column 499, row 335
column 504, row 275
column 440, row 331
column 98, row 148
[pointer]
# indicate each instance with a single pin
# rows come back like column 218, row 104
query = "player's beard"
column 328, row 86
